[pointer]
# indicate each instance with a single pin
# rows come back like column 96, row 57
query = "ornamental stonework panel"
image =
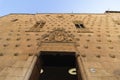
column 58, row 35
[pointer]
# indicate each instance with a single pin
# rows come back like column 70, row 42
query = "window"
column 78, row 24
column 14, row 20
column 37, row 26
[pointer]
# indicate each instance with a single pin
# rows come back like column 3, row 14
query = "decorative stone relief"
column 58, row 35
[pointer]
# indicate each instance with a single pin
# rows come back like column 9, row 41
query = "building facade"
column 64, row 46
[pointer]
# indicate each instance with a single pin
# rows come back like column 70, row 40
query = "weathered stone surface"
column 23, row 36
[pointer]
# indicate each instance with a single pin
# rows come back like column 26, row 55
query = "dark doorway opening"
column 57, row 66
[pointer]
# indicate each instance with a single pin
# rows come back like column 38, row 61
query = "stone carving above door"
column 58, row 35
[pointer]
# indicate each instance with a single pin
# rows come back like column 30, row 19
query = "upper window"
column 14, row 20
column 78, row 24
column 37, row 26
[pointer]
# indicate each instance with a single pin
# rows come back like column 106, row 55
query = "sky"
column 57, row 6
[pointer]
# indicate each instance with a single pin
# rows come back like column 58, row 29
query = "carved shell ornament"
column 57, row 35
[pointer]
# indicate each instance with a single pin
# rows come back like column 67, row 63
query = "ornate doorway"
column 52, row 65
column 58, row 66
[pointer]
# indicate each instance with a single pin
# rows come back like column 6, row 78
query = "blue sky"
column 57, row 6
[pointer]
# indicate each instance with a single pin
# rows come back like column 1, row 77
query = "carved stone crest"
column 58, row 35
